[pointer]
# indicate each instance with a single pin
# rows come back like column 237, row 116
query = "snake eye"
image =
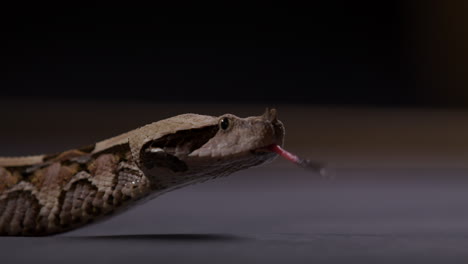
column 224, row 123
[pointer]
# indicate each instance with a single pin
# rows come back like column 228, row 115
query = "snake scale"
column 49, row 194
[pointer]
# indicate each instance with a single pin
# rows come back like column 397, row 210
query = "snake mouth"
column 265, row 150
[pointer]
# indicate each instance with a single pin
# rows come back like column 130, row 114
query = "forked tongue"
column 305, row 163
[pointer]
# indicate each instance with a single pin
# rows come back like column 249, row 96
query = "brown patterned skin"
column 49, row 194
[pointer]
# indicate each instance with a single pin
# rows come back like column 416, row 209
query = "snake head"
column 242, row 137
column 215, row 145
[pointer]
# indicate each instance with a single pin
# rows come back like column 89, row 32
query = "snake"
column 49, row 194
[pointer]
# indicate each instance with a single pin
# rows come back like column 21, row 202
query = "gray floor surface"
column 398, row 191
column 275, row 216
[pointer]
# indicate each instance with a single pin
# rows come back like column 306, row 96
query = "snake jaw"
column 260, row 151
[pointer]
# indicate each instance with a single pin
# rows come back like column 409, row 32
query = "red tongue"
column 280, row 151
column 295, row 159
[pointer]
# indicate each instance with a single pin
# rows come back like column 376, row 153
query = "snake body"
column 49, row 194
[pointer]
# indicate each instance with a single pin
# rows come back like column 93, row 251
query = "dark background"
column 374, row 53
